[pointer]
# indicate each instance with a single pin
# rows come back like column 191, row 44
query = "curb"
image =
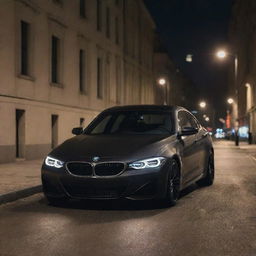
column 13, row 196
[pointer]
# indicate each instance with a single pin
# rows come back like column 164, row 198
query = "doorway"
column 20, row 133
column 54, row 142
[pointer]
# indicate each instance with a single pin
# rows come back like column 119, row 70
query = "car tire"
column 55, row 201
column 173, row 184
column 210, row 173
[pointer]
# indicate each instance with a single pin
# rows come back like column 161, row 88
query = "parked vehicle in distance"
column 135, row 152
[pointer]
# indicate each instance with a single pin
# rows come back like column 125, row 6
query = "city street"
column 219, row 220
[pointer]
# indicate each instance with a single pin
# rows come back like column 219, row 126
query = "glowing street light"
column 221, row 54
column 202, row 104
column 162, row 81
column 230, row 101
column 189, row 58
column 207, row 119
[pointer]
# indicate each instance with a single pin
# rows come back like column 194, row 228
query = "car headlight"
column 50, row 161
column 147, row 163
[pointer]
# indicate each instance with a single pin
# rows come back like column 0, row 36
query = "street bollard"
column 237, row 139
column 249, row 138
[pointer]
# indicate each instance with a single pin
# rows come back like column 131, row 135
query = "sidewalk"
column 250, row 149
column 19, row 179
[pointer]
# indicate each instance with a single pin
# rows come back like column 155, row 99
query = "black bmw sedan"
column 135, row 152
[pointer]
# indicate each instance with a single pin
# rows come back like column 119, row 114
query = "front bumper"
column 132, row 184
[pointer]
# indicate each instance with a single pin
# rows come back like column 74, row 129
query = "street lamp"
column 207, row 119
column 230, row 101
column 189, row 58
column 162, row 82
column 202, row 104
column 221, row 54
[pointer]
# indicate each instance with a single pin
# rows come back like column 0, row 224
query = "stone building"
column 243, row 41
column 62, row 62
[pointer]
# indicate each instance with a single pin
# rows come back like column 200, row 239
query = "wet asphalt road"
column 218, row 220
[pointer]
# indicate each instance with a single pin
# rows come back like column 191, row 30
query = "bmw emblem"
column 95, row 158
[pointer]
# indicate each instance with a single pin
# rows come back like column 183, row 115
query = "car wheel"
column 55, row 201
column 209, row 178
column 173, row 184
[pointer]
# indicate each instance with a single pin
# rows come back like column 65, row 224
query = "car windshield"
column 131, row 122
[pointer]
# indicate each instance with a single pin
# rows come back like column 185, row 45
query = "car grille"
column 93, row 193
column 80, row 169
column 108, row 169
column 100, row 169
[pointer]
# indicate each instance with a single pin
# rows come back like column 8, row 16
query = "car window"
column 101, row 125
column 140, row 122
column 192, row 121
column 185, row 119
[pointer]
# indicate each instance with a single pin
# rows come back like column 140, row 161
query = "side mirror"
column 186, row 131
column 77, row 130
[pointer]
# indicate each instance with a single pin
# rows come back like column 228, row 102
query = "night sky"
column 198, row 27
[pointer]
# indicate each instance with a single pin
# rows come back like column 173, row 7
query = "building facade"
column 243, row 85
column 62, row 62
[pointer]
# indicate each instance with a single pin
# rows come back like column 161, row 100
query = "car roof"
column 145, row 107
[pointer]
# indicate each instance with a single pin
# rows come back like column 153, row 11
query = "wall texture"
column 119, row 33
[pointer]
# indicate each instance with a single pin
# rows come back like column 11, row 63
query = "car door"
column 189, row 148
column 199, row 146
column 202, row 143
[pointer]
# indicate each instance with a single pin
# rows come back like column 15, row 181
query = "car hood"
column 122, row 147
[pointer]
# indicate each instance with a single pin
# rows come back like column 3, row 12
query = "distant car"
column 135, row 152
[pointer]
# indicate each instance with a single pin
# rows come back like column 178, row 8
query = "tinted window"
column 185, row 119
column 132, row 122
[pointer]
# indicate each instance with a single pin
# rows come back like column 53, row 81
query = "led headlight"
column 50, row 161
column 147, row 163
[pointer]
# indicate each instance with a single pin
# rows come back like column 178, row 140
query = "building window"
column 55, row 60
column 58, row 2
column 82, row 70
column 117, row 30
column 99, row 14
column 25, row 30
column 99, row 79
column 20, row 133
column 82, row 9
column 118, row 81
column 54, row 130
column 108, row 22
column 81, row 122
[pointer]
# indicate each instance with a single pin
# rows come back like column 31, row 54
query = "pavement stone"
column 19, row 179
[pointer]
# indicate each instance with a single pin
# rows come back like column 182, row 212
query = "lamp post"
column 202, row 104
column 163, row 83
column 230, row 100
column 222, row 54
